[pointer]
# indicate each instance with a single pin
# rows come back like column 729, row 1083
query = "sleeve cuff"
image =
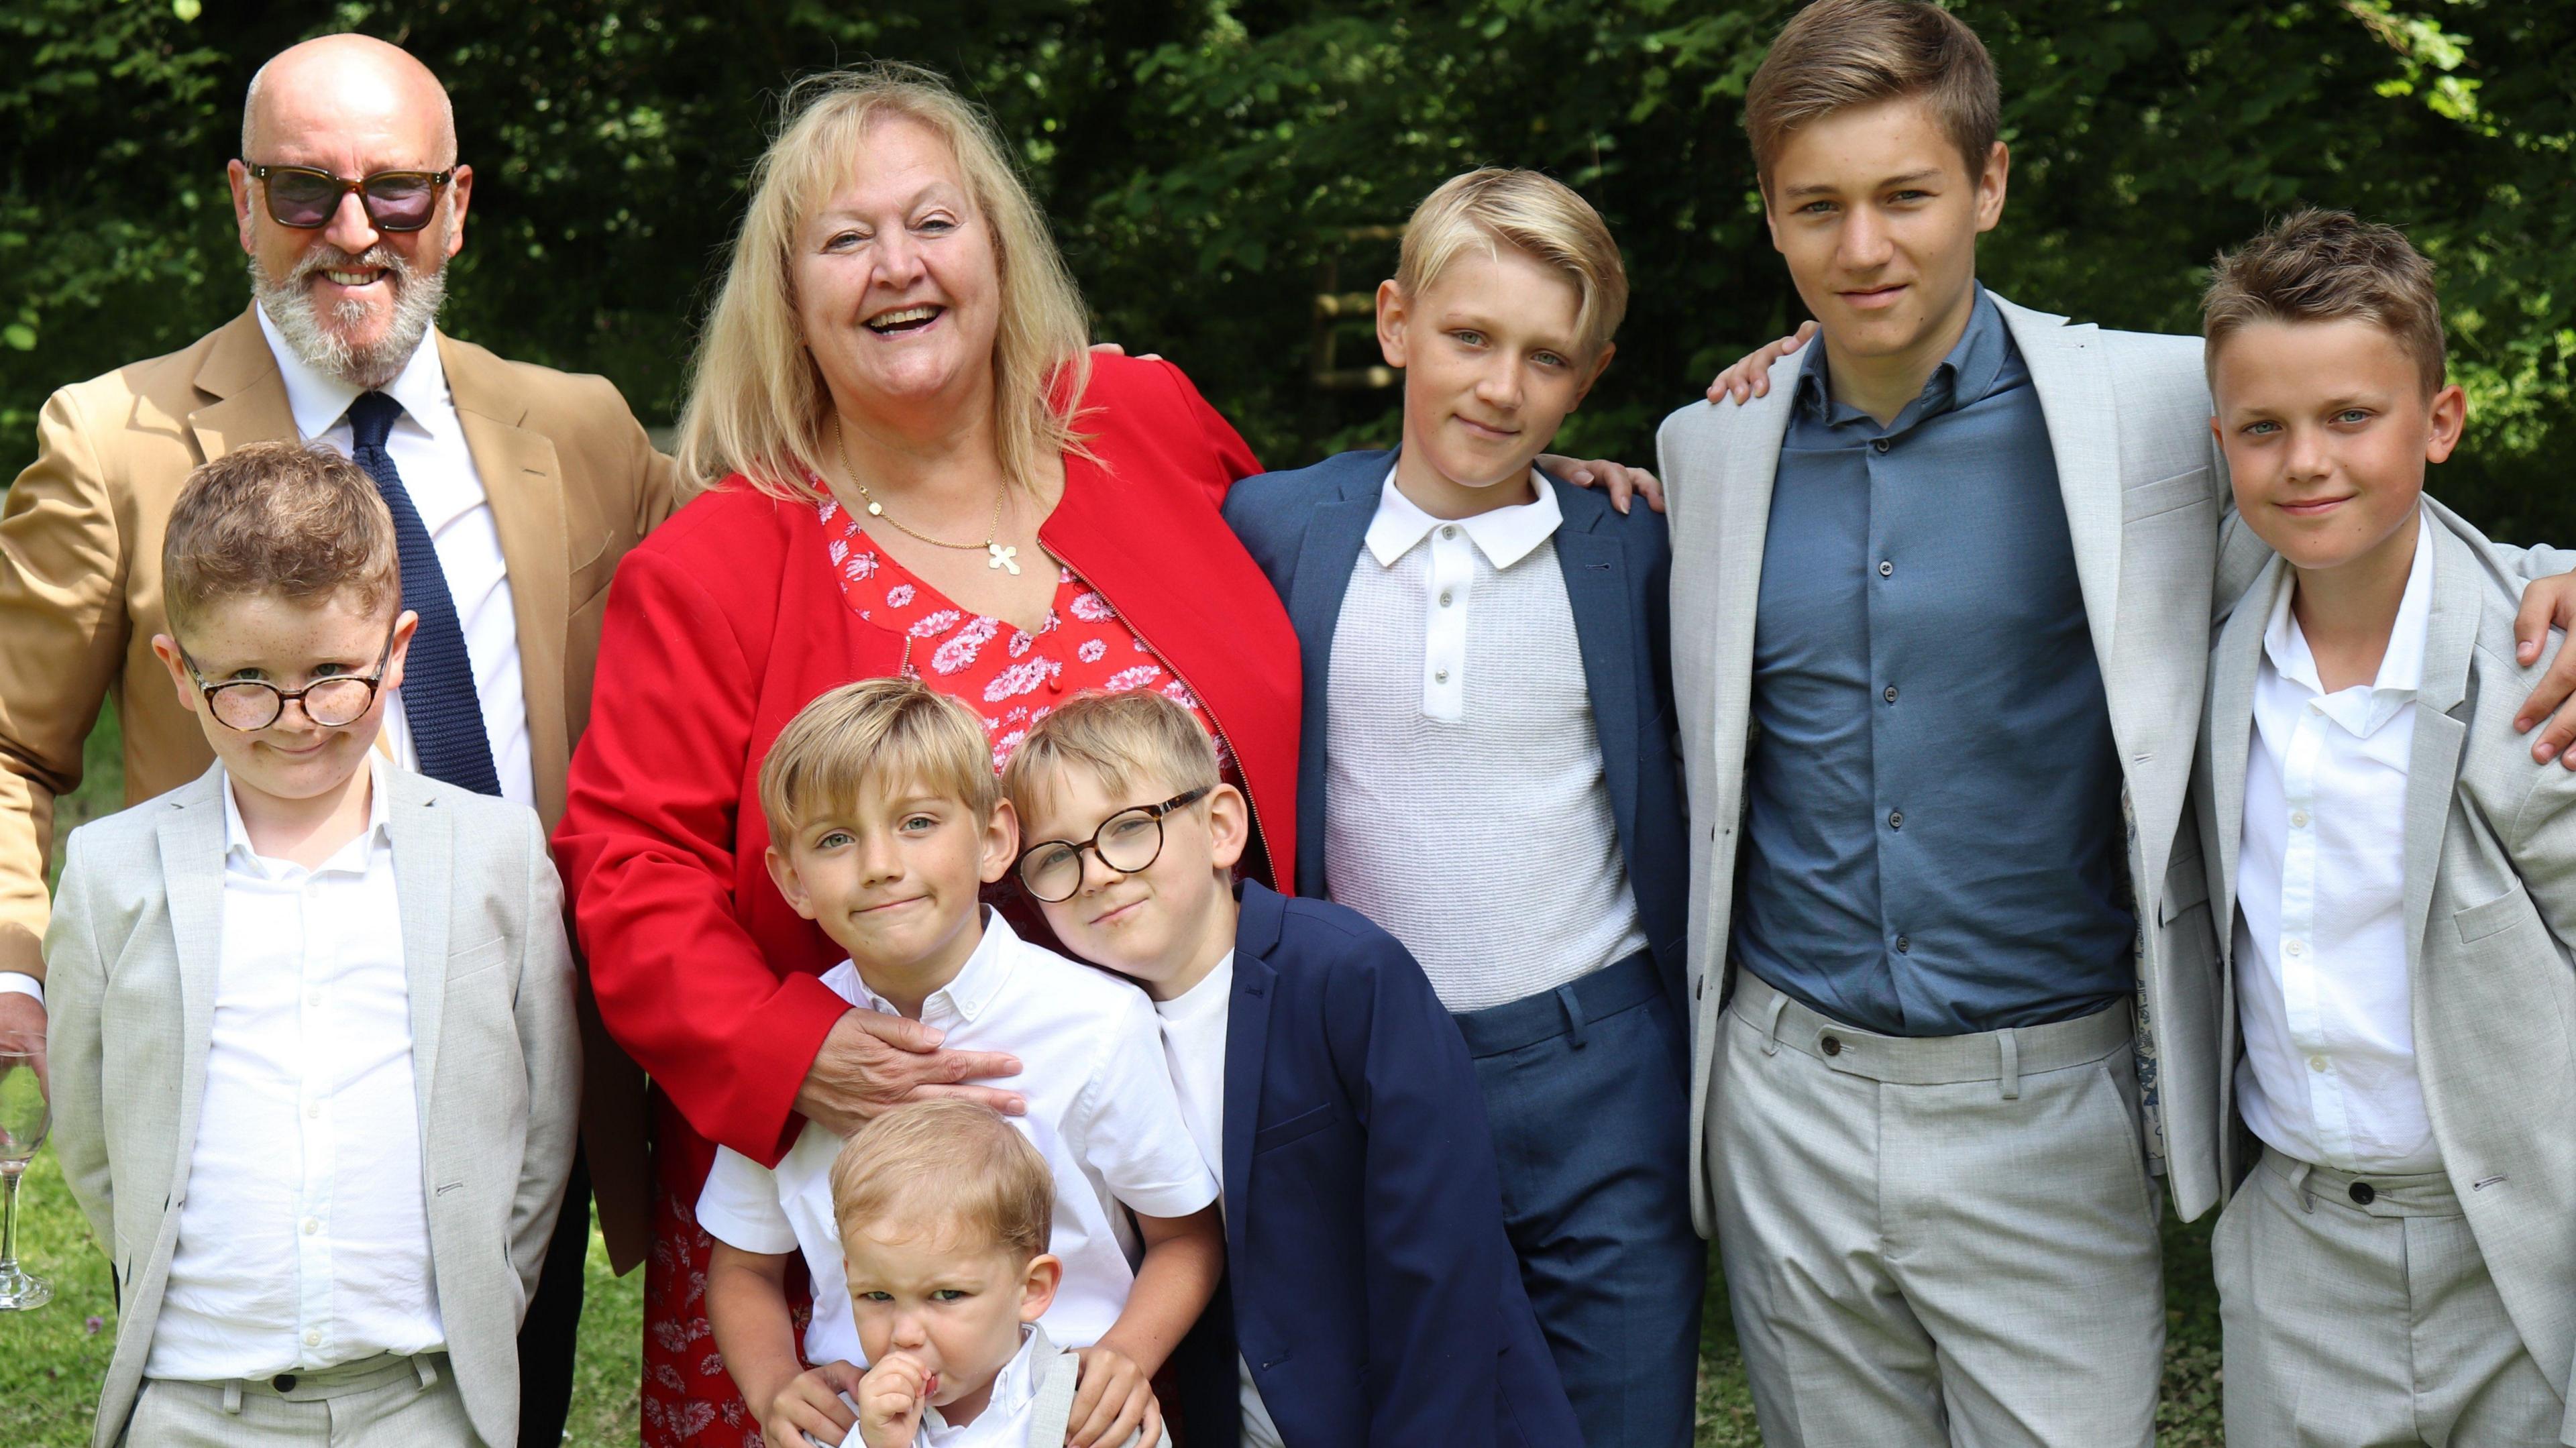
column 14, row 982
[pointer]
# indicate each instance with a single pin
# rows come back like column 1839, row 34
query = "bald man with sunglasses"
column 515, row 491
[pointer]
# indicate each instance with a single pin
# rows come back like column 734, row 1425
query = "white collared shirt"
column 1100, row 1108
column 303, row 1222
column 2320, row 937
column 428, row 448
column 1004, row 1423
column 1458, row 728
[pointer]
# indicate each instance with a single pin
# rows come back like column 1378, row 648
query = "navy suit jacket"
column 1369, row 1281
column 1306, row 529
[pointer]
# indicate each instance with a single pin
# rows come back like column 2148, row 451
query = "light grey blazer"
column 2490, row 870
column 2146, row 496
column 132, row 958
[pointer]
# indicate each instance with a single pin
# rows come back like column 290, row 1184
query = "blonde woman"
column 911, row 464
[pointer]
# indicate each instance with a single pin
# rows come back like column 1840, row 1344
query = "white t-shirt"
column 1100, row 1109
column 1194, row 1043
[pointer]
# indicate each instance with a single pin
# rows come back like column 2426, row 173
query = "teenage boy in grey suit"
column 1940, row 603
column 2397, row 1264
column 312, row 1039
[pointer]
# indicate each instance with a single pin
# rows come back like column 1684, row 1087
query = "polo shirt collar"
column 319, row 400
column 1506, row 535
column 976, row 983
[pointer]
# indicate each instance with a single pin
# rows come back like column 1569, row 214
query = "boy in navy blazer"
column 1488, row 766
column 1371, row 1294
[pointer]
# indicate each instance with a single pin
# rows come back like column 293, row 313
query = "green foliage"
column 1213, row 165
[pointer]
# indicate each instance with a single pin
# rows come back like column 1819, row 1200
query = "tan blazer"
column 2490, row 903
column 573, row 484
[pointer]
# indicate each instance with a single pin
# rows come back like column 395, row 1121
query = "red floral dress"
column 1011, row 677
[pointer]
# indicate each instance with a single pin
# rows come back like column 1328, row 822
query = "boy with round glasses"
column 281, row 963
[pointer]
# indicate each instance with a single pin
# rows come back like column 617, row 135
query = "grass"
column 52, row 1359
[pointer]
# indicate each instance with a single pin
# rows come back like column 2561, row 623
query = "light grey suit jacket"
column 2490, row 900
column 2146, row 496
column 133, row 955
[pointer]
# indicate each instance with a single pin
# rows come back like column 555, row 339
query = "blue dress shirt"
column 1933, row 833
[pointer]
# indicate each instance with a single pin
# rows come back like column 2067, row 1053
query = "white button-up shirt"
column 1004, row 1423
column 304, row 1222
column 1506, row 536
column 2320, row 935
column 1101, row 1110
column 428, row 448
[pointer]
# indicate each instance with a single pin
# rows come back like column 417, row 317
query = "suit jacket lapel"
column 1334, row 537
column 2432, row 766
column 523, row 482
column 1596, row 591
column 192, row 873
column 1247, row 1046
column 2072, row 375
column 248, row 395
column 2236, row 664
column 423, row 840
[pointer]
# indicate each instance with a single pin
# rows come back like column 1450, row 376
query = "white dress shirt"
column 1459, row 728
column 1194, row 1043
column 1100, row 1108
column 2322, row 978
column 428, row 448
column 304, row 1223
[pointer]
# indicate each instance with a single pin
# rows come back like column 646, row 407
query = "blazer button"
column 2362, row 1194
column 1831, row 1045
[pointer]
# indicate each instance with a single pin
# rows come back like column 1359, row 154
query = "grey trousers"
column 1939, row 1241
column 378, row 1403
column 2359, row 1314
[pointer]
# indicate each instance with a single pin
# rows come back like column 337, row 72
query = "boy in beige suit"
column 2399, row 1265
column 313, row 1054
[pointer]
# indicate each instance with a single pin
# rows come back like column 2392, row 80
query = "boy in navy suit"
column 1488, row 766
column 1371, row 1294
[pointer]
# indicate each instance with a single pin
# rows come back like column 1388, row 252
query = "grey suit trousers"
column 1937, row 1241
column 2357, row 1323
column 380, row 1403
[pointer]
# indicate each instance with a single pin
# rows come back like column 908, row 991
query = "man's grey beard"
column 289, row 304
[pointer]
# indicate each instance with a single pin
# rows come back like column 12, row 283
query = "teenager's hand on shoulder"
column 811, row 1403
column 872, row 1063
column 1620, row 481
column 1113, row 1399
column 892, row 1398
column 2548, row 603
column 1750, row 377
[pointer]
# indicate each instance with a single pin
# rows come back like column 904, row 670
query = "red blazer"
column 728, row 619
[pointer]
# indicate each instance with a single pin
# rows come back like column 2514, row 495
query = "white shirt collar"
column 2401, row 666
column 1210, row 995
column 1014, row 1387
column 319, row 401
column 969, row 991
column 1506, row 535
column 351, row 856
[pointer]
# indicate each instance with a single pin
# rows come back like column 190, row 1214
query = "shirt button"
column 1886, row 569
column 1879, row 444
column 1904, row 946
column 312, row 1109
column 1440, row 676
column 312, row 1337
column 311, row 1226
column 1896, row 819
column 1449, row 530
column 1444, row 600
column 1889, row 694
column 2294, row 948
column 314, row 999
column 2316, row 1063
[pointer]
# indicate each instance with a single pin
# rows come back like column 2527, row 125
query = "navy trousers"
column 1585, row 1087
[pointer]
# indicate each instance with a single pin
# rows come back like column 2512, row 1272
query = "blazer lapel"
column 2072, row 376
column 523, row 482
column 249, row 396
column 1334, row 536
column 192, row 872
column 2234, row 666
column 1596, row 590
column 2432, row 765
column 1247, row 1046
column 423, row 840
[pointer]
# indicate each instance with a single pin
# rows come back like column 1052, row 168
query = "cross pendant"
column 1004, row 556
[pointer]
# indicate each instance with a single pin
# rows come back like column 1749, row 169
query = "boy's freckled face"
column 2327, row 427
column 957, row 1311
column 1147, row 925
column 289, row 643
column 894, row 876
column 1493, row 362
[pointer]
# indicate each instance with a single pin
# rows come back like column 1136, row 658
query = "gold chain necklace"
column 997, row 553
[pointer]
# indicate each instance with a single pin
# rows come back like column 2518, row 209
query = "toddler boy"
column 1371, row 1297
column 259, row 979
column 886, row 822
column 1488, row 766
column 2400, row 1264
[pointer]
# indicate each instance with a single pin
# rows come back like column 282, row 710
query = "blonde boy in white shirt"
column 888, row 821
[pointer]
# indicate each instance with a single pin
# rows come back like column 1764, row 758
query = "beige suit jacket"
column 573, row 483
column 137, row 952
column 2490, row 906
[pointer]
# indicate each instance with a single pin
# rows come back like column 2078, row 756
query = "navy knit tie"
column 438, row 676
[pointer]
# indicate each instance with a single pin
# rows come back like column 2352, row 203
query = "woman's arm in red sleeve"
column 647, row 851
column 1230, row 458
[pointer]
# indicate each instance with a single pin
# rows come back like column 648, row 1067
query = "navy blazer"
column 1369, row 1281
column 1306, row 529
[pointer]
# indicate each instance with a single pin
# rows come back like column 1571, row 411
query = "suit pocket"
column 474, row 960
column 2149, row 500
column 1303, row 1124
column 2499, row 914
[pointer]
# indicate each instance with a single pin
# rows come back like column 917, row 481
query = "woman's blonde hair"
column 757, row 401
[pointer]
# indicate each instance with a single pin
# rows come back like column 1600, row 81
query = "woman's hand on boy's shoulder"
column 1113, row 1401
column 811, row 1404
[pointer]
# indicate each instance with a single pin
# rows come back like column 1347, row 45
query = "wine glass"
column 24, row 1117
